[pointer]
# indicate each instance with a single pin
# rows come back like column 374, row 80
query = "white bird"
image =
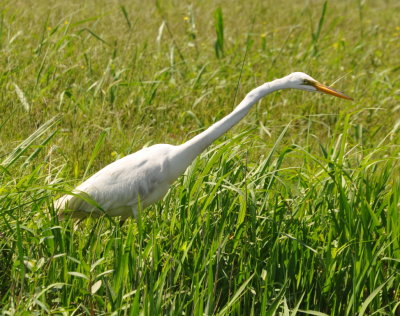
column 144, row 177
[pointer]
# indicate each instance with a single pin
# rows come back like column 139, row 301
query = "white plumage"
column 144, row 177
column 117, row 187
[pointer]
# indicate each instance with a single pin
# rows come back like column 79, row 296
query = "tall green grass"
column 294, row 212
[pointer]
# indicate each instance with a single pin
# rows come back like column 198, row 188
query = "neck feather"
column 192, row 148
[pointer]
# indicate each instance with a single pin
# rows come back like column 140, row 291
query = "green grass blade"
column 95, row 152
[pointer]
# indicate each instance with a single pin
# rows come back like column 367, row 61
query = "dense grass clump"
column 294, row 211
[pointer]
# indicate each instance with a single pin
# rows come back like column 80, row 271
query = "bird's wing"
column 118, row 187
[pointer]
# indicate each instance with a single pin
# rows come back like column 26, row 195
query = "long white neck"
column 188, row 151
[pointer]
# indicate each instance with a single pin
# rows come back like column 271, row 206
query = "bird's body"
column 144, row 177
column 117, row 188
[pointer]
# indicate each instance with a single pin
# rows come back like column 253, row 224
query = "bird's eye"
column 306, row 82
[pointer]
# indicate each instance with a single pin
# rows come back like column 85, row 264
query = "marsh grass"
column 294, row 212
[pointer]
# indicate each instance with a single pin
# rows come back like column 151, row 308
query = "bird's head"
column 302, row 81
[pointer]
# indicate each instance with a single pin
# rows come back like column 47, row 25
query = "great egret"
column 144, row 177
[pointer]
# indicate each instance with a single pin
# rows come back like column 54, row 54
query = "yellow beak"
column 328, row 90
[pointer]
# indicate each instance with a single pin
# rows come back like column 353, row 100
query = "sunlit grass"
column 294, row 211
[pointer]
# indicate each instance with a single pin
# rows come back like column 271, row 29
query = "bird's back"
column 118, row 187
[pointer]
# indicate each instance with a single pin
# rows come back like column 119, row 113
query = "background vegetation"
column 294, row 211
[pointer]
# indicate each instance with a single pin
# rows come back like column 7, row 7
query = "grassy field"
column 295, row 211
